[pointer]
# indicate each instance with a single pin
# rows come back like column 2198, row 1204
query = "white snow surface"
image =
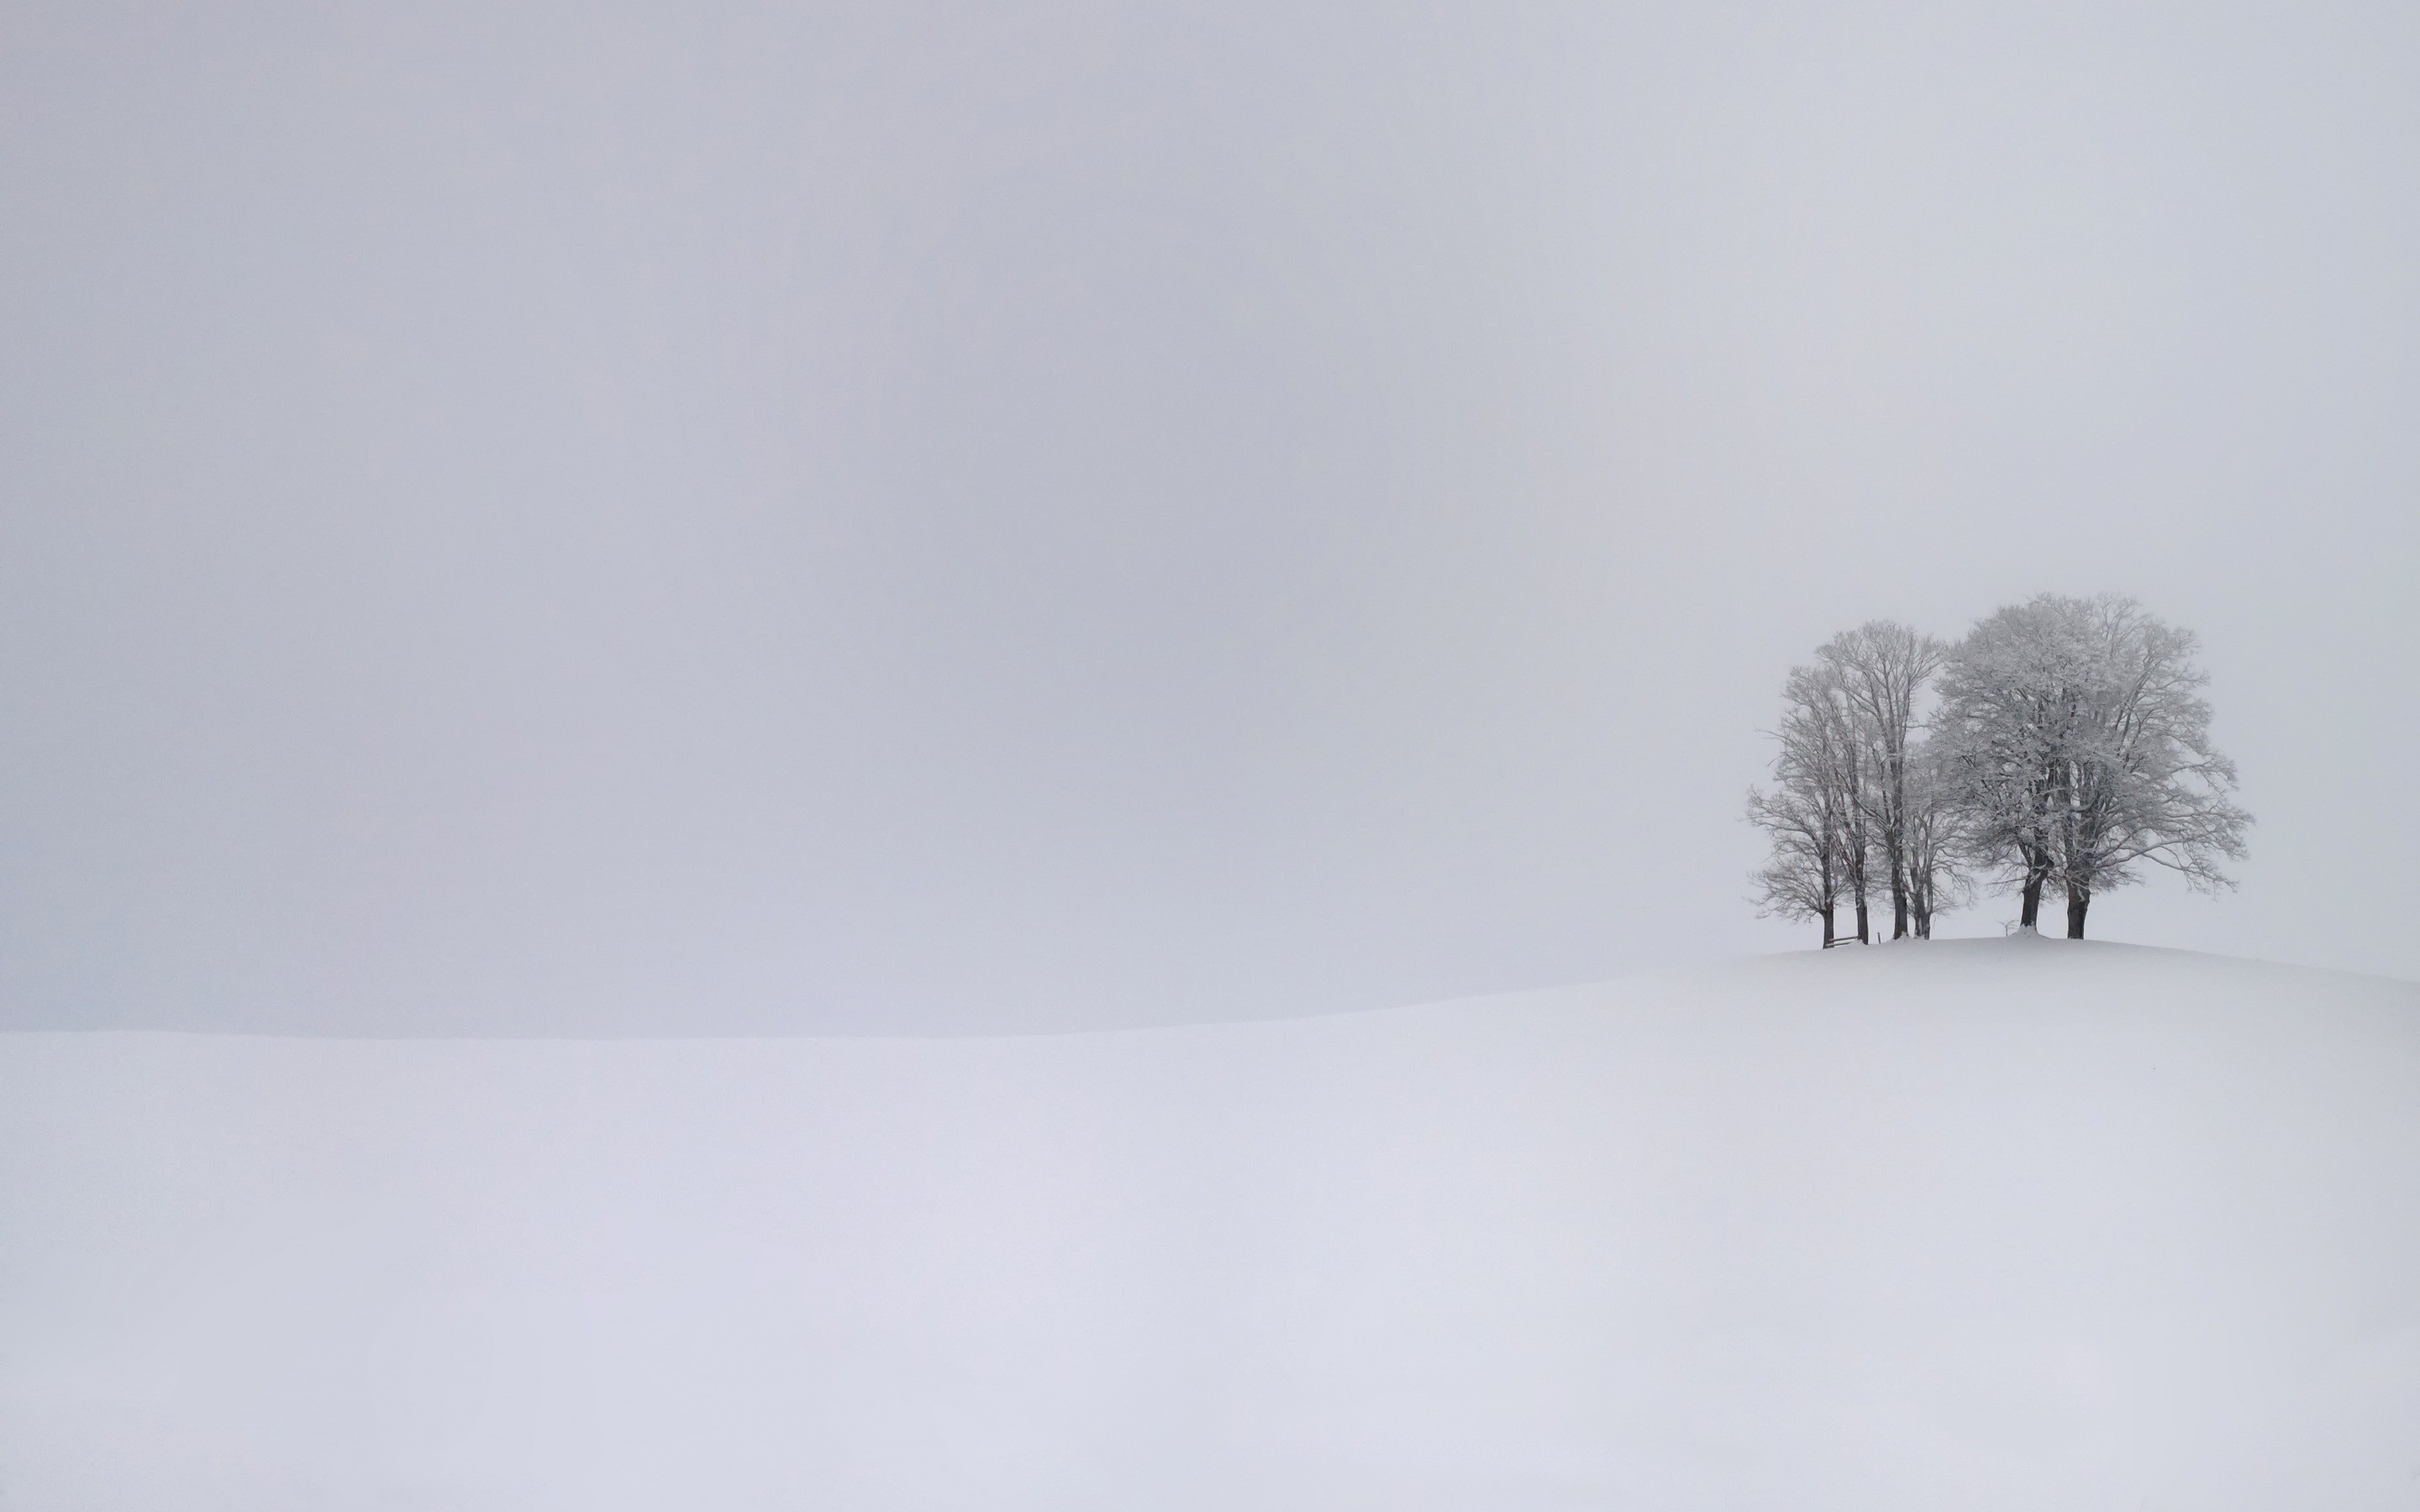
column 2015, row 1224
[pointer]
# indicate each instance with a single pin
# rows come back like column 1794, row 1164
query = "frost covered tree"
column 2009, row 692
column 2075, row 745
column 1857, row 807
column 1802, row 878
column 1878, row 674
column 2143, row 782
column 1817, row 815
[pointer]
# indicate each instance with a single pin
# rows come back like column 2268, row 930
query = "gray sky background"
column 593, row 518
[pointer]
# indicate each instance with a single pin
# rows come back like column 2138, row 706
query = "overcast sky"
column 904, row 518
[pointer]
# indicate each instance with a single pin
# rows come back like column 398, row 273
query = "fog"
column 528, row 519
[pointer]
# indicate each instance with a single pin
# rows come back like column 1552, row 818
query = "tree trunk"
column 1827, row 926
column 1864, row 935
column 2029, row 910
column 2078, row 899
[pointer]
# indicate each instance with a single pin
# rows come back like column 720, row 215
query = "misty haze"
column 1073, row 756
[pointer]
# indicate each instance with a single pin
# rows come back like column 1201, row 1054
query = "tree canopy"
column 2061, row 740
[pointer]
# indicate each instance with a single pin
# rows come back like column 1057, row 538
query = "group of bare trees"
column 2062, row 741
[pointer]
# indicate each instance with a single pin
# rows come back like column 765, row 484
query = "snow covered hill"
column 1974, row 1225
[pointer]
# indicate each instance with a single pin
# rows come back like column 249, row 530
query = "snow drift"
column 2020, row 1224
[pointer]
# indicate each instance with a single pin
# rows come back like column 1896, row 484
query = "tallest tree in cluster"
column 1852, row 811
column 1878, row 671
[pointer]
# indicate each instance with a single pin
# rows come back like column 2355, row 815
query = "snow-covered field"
column 1977, row 1225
